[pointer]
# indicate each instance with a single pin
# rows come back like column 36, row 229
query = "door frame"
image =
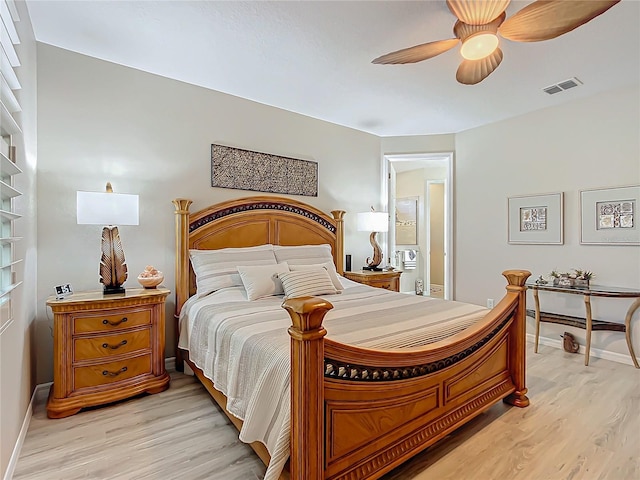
column 388, row 200
column 427, row 216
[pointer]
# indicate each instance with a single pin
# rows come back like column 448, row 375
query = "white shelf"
column 5, row 14
column 9, row 215
column 10, row 239
column 7, row 191
column 7, row 167
column 7, row 45
column 5, row 291
column 8, row 124
column 8, row 72
column 9, row 265
column 7, row 97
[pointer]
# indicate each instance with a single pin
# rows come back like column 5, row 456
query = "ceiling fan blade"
column 477, row 12
column 417, row 53
column 471, row 72
column 546, row 19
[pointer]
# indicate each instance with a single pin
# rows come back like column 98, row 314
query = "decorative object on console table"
column 347, row 263
column 583, row 277
column 109, row 209
column 579, row 278
column 389, row 280
column 373, row 222
column 609, row 216
column 536, row 219
column 106, row 348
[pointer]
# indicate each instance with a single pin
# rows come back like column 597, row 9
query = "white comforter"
column 243, row 347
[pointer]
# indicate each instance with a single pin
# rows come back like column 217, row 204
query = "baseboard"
column 595, row 352
column 13, row 461
column 170, row 364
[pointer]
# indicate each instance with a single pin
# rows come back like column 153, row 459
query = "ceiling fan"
column 481, row 21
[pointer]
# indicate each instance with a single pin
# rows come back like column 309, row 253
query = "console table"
column 586, row 323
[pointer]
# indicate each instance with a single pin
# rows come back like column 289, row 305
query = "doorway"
column 423, row 180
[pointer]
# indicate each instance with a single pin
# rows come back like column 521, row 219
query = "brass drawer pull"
column 114, row 347
column 114, row 324
column 107, row 373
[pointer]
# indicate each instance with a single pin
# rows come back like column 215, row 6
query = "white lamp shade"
column 107, row 208
column 373, row 222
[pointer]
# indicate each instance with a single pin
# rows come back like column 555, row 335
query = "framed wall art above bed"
column 262, row 172
column 536, row 219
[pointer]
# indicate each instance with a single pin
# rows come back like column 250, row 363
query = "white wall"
column 437, row 232
column 152, row 136
column 17, row 349
column 585, row 144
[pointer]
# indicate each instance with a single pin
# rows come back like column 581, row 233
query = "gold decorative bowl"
column 151, row 282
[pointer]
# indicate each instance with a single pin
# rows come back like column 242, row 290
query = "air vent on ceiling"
column 562, row 86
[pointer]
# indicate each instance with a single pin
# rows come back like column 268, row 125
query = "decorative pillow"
column 304, row 283
column 216, row 269
column 303, row 254
column 329, row 267
column 262, row 280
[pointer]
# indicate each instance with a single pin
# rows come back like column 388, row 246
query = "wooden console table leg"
column 627, row 324
column 537, row 301
column 587, row 304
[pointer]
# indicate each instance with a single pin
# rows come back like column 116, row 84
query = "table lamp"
column 109, row 209
column 373, row 222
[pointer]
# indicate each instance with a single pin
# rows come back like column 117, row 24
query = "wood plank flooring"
column 583, row 424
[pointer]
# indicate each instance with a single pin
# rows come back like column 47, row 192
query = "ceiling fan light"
column 479, row 45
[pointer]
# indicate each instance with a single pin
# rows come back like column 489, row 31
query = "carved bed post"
column 517, row 360
column 338, row 216
column 307, row 391
column 182, row 266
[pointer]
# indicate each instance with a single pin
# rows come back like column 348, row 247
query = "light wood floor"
column 583, row 424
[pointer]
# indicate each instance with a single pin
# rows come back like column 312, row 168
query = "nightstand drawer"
column 107, row 345
column 386, row 284
column 111, row 322
column 105, row 373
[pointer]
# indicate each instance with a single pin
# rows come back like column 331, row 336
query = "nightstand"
column 106, row 348
column 386, row 280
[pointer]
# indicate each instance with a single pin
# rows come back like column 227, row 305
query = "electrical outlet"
column 489, row 302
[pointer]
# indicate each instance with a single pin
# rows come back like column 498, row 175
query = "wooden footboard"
column 357, row 413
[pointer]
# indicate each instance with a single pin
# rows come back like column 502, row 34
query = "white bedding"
column 243, row 346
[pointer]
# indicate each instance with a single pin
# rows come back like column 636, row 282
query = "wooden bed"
column 357, row 413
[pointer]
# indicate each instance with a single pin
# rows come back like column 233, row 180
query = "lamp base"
column 373, row 269
column 110, row 290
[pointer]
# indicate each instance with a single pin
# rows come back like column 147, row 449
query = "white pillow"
column 307, row 283
column 329, row 266
column 262, row 280
column 216, row 269
column 303, row 254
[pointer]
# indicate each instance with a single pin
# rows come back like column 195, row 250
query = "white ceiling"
column 314, row 57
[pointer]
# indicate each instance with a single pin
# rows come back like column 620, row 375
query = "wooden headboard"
column 247, row 222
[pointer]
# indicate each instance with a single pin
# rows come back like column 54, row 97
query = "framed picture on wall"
column 536, row 219
column 609, row 216
column 407, row 221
